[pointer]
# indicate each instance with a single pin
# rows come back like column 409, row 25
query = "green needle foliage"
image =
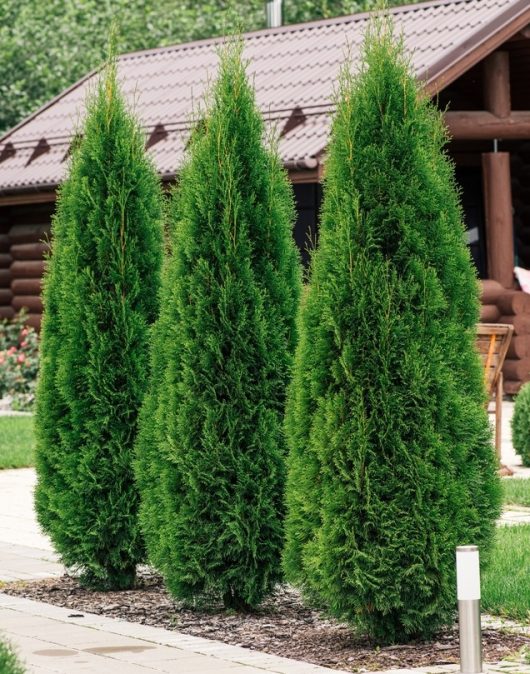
column 9, row 663
column 390, row 464
column 521, row 424
column 211, row 450
column 100, row 298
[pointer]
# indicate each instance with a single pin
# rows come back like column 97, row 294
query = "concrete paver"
column 515, row 515
column 25, row 552
column 18, row 525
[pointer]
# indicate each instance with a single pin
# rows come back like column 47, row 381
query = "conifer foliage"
column 390, row 464
column 521, row 424
column 211, row 450
column 100, row 299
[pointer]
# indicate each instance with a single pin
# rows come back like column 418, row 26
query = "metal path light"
column 468, row 591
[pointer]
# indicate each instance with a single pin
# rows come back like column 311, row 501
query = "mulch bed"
column 282, row 626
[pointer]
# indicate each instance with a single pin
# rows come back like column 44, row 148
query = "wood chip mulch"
column 282, row 626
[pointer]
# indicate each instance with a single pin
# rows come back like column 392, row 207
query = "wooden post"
column 499, row 217
column 497, row 175
column 497, row 97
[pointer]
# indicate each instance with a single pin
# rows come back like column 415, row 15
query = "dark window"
column 307, row 197
column 470, row 180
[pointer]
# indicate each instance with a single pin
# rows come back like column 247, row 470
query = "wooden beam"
column 27, row 198
column 482, row 125
column 496, row 76
column 310, row 176
column 499, row 216
column 523, row 34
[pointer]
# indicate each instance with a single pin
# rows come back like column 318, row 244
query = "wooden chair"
column 493, row 340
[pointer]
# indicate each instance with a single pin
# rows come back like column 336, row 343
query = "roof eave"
column 35, row 194
column 482, row 43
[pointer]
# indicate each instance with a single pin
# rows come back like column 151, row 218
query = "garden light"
column 468, row 591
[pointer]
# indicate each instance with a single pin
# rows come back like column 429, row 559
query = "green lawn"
column 505, row 584
column 17, row 442
column 516, row 492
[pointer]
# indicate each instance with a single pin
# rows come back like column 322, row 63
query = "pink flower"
column 21, row 358
column 23, row 344
column 12, row 350
column 24, row 332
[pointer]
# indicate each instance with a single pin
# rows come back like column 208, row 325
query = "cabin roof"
column 294, row 69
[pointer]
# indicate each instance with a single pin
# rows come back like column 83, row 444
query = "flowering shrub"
column 18, row 362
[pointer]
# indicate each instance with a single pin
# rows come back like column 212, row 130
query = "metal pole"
column 468, row 590
column 274, row 13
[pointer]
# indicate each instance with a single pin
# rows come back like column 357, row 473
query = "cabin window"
column 307, row 197
column 470, row 180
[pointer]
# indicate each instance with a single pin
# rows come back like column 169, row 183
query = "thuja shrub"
column 100, row 299
column 9, row 663
column 391, row 464
column 521, row 424
column 211, row 450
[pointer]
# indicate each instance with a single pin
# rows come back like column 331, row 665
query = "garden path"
column 54, row 639
column 25, row 553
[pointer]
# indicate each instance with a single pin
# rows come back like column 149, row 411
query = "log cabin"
column 472, row 57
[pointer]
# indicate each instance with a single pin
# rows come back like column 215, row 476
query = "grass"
column 516, row 492
column 505, row 583
column 17, row 442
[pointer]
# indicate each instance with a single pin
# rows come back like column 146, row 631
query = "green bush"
column 391, row 463
column 100, row 298
column 521, row 424
column 18, row 362
column 210, row 450
column 8, row 661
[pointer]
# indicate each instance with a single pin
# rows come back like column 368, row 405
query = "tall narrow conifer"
column 100, row 299
column 211, row 449
column 391, row 464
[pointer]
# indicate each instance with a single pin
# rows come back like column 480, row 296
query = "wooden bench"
column 493, row 340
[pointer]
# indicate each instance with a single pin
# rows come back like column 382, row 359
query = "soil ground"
column 282, row 626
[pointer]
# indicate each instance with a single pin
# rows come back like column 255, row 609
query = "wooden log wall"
column 6, row 310
column 502, row 305
column 24, row 243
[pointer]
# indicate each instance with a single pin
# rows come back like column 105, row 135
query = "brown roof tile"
column 293, row 66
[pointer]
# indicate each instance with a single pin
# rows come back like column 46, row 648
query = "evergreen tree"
column 521, row 424
column 100, row 299
column 211, row 450
column 391, row 464
column 9, row 663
